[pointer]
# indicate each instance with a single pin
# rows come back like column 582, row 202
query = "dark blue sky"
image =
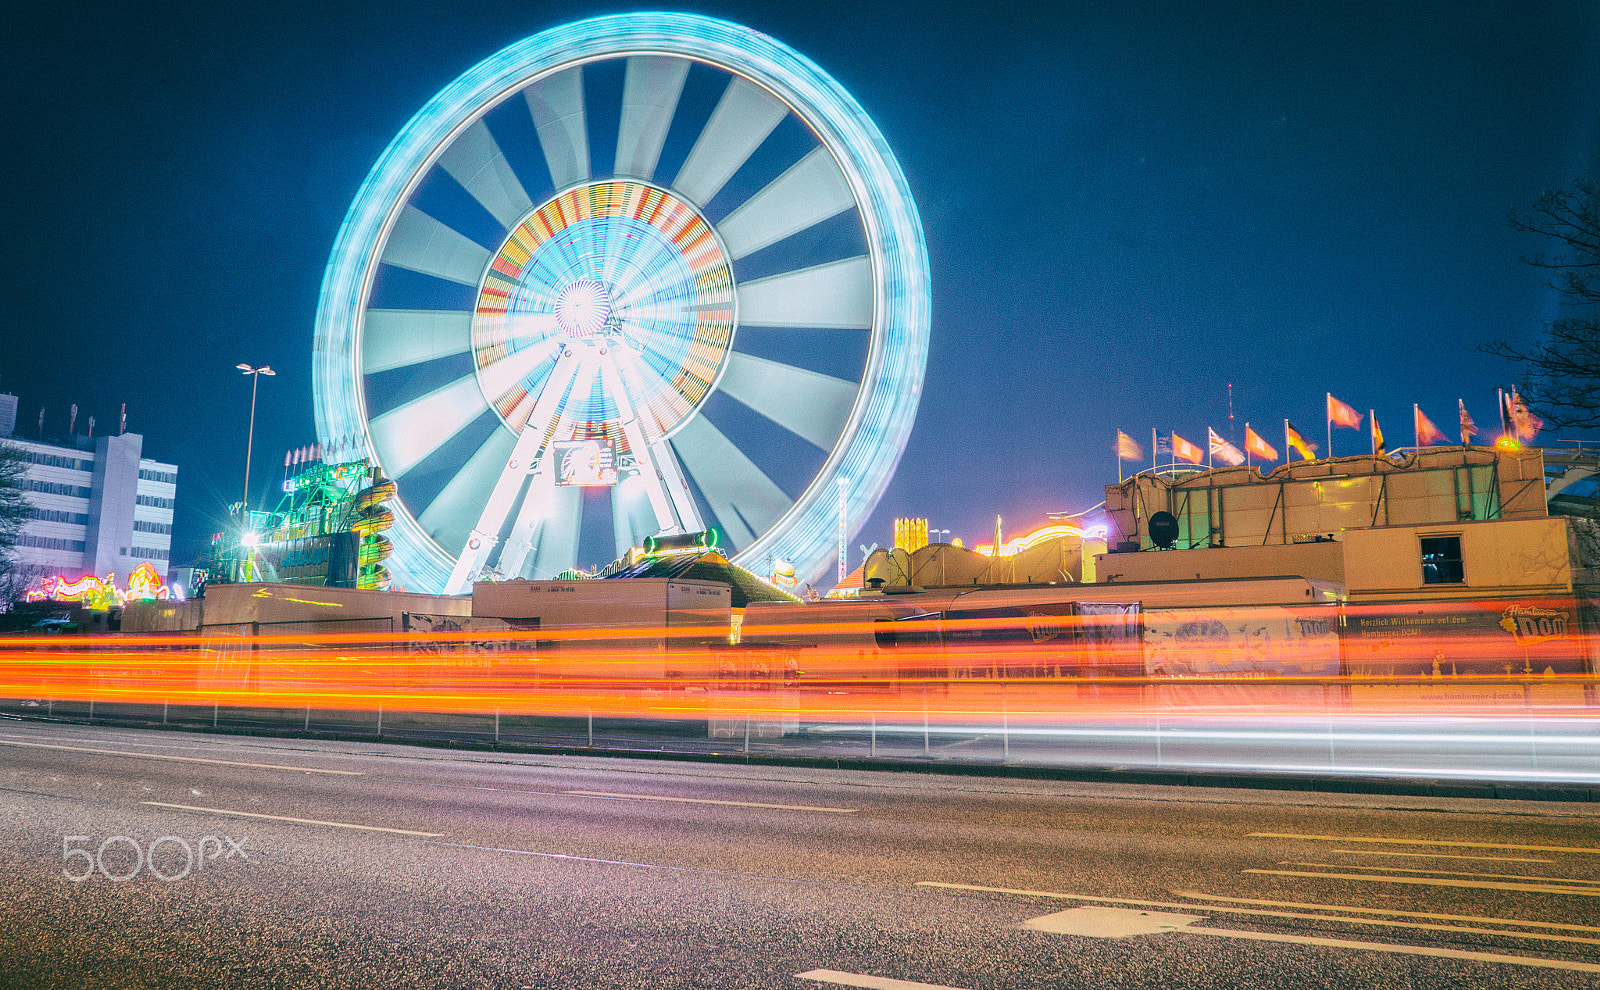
column 1127, row 207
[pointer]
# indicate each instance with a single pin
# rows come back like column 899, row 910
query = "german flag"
column 1294, row 441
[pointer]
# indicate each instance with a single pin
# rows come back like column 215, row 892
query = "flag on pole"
column 1127, row 448
column 1255, row 445
column 1340, row 414
column 1294, row 441
column 1469, row 429
column 1378, row 448
column 1183, row 450
column 1525, row 423
column 1426, row 432
column 1224, row 451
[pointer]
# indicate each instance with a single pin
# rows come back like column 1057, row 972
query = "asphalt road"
column 222, row 861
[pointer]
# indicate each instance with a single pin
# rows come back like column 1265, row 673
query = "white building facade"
column 99, row 506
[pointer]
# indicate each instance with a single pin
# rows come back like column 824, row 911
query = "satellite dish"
column 1163, row 530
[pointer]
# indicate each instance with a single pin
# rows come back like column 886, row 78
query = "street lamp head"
column 244, row 368
column 266, row 370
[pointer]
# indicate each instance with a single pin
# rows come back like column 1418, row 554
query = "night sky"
column 1127, row 208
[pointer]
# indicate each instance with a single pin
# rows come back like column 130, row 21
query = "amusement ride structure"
column 639, row 275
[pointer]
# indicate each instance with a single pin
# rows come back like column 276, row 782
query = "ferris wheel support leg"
column 537, row 506
column 650, row 458
column 530, row 446
column 670, row 476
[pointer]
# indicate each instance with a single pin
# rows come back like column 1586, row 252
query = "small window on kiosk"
column 1441, row 560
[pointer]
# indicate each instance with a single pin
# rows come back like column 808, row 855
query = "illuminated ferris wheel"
column 637, row 275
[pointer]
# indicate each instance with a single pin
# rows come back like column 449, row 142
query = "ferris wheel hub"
column 583, row 308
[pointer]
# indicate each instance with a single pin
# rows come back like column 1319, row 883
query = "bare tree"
column 1562, row 373
column 15, row 509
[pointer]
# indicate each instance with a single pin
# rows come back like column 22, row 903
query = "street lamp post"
column 250, row 438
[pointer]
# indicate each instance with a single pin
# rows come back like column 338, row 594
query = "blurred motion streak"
column 1029, row 664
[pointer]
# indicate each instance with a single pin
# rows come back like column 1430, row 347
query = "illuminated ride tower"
column 638, row 275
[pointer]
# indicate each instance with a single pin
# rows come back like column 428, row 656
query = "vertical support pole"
column 1327, row 710
column 747, row 732
column 872, row 747
column 925, row 749
column 214, row 704
column 91, row 709
column 380, row 720
column 1005, row 722
column 497, row 726
column 844, row 491
column 163, row 713
column 308, row 716
column 591, row 728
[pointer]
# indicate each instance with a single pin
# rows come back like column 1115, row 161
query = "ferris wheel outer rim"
column 873, row 440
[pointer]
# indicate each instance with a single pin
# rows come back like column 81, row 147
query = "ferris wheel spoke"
column 556, row 103
column 650, row 92
column 744, row 500
column 422, row 244
column 744, row 117
column 399, row 338
column 449, row 517
column 810, row 405
column 406, row 435
column 476, row 162
column 811, row 191
column 504, row 375
column 837, row 295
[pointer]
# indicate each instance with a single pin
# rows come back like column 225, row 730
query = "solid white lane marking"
column 1114, row 923
column 1195, row 894
column 1110, row 922
column 1491, row 859
column 1526, row 888
column 297, row 821
column 1423, row 842
column 182, row 759
column 870, row 982
column 1374, row 922
column 619, row 796
column 1406, row 950
column 1448, row 873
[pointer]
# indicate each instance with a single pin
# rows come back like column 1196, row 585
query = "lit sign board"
column 588, row 463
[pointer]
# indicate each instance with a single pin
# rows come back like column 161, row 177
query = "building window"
column 1441, row 560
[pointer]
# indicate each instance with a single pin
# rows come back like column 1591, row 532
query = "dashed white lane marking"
column 296, row 821
column 1526, row 888
column 619, row 796
column 182, row 759
column 1590, row 850
column 871, row 982
column 1109, row 922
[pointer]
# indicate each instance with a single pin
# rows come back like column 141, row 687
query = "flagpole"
column 1328, row 408
column 1286, row 447
column 1372, row 434
column 1416, row 435
column 1247, row 444
column 1153, row 467
column 1119, row 457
